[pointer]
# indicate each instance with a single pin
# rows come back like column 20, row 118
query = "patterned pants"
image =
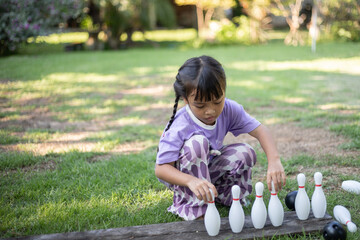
column 232, row 167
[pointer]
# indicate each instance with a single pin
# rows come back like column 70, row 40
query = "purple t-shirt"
column 233, row 119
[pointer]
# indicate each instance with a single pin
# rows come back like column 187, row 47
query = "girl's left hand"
column 276, row 174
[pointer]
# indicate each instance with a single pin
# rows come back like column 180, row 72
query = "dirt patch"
column 99, row 158
column 40, row 101
column 293, row 140
column 43, row 166
column 130, row 147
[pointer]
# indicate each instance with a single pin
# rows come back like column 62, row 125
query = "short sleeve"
column 240, row 121
column 169, row 146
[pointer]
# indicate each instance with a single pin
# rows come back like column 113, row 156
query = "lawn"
column 79, row 131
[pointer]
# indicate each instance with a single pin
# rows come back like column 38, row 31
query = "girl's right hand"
column 200, row 187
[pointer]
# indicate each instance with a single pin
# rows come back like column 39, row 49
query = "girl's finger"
column 204, row 193
column 213, row 188
column 276, row 182
column 283, row 178
column 268, row 181
column 208, row 195
column 199, row 194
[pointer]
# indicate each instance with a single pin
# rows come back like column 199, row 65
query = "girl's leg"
column 232, row 167
column 194, row 161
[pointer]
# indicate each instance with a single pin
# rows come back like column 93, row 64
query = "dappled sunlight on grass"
column 165, row 71
column 153, row 107
column 176, row 35
column 288, row 99
column 42, row 149
column 100, row 110
column 131, row 121
column 340, row 106
column 77, row 102
column 61, row 38
column 79, row 131
column 165, row 35
column 158, row 90
column 84, row 96
column 246, row 83
column 335, row 65
column 44, row 143
column 142, row 70
column 272, row 121
column 172, row 69
column 74, row 78
column 133, row 147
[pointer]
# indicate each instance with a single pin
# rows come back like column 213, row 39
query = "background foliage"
column 21, row 19
column 341, row 19
column 112, row 23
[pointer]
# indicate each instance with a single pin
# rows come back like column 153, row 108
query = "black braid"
column 174, row 112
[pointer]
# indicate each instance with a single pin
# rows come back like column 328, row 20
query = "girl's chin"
column 209, row 121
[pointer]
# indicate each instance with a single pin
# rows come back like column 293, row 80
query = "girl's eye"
column 217, row 103
column 199, row 106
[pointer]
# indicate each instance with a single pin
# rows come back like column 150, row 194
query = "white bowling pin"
column 351, row 186
column 212, row 217
column 302, row 201
column 275, row 208
column 258, row 210
column 236, row 213
column 343, row 215
column 318, row 199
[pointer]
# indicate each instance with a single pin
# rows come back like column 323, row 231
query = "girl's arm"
column 200, row 187
column 275, row 170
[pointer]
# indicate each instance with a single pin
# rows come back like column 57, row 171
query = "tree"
column 293, row 20
column 127, row 16
column 205, row 10
column 257, row 11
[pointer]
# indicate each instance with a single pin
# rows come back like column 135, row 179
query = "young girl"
column 191, row 157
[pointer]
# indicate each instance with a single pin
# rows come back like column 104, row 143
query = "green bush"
column 23, row 19
column 227, row 32
column 341, row 19
column 346, row 30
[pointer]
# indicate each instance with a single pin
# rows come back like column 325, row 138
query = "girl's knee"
column 244, row 150
column 199, row 144
column 195, row 148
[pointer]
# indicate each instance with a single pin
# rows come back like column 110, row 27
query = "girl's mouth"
column 210, row 119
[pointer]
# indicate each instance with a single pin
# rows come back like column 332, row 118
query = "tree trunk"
column 293, row 37
column 152, row 14
column 200, row 19
column 129, row 41
column 208, row 15
column 203, row 21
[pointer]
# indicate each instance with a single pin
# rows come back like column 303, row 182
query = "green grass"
column 100, row 100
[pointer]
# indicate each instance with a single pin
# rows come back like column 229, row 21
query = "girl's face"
column 206, row 112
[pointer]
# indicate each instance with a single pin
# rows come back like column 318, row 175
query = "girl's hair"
column 203, row 74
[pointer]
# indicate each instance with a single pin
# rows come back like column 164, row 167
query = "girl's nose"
column 210, row 111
